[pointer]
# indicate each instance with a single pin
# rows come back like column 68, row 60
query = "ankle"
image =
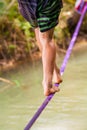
column 47, row 84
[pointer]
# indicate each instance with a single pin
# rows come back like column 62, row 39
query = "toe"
column 56, row 89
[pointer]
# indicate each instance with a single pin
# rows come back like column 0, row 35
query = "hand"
column 85, row 0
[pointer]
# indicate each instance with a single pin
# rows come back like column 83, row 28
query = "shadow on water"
column 66, row 111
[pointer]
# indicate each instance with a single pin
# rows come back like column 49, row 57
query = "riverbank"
column 36, row 55
column 66, row 111
column 17, row 39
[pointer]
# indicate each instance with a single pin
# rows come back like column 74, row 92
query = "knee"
column 46, row 39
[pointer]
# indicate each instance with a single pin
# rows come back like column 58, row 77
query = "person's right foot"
column 57, row 78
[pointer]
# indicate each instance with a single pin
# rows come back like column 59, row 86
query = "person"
column 43, row 16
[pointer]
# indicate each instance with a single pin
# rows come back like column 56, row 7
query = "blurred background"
column 21, row 91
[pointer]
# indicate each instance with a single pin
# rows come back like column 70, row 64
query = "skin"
column 50, row 70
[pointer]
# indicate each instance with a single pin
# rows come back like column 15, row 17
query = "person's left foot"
column 52, row 90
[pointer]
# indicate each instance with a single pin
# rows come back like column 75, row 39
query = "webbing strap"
column 63, row 66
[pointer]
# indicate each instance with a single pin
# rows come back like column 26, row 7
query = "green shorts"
column 41, row 13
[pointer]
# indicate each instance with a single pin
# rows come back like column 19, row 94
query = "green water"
column 66, row 111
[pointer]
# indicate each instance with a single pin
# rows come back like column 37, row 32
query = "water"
column 66, row 111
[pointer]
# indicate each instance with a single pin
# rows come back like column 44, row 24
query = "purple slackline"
column 47, row 100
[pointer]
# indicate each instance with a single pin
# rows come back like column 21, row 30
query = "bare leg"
column 47, row 47
column 48, row 59
column 56, row 76
column 38, row 39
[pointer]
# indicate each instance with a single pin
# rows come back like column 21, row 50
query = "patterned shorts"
column 41, row 13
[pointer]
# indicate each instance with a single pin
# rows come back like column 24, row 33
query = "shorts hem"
column 46, row 29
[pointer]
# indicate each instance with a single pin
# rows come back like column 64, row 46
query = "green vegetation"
column 17, row 37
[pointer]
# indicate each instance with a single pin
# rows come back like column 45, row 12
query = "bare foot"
column 57, row 76
column 48, row 91
column 59, row 79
